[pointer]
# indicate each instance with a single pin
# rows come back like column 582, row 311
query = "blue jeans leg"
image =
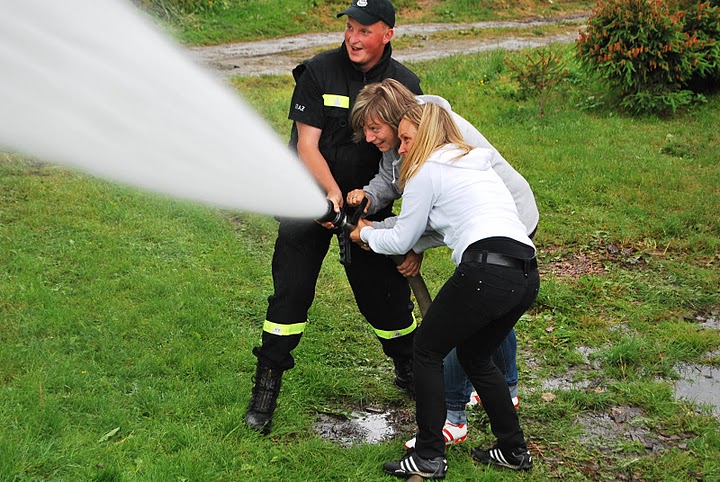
column 457, row 384
column 505, row 357
column 458, row 387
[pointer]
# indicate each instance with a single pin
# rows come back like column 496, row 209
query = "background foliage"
column 657, row 54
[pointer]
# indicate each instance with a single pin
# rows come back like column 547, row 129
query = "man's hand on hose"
column 337, row 200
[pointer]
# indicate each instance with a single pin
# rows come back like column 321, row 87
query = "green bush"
column 655, row 53
column 702, row 28
column 538, row 73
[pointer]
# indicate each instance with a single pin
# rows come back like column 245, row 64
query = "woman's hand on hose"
column 354, row 198
column 355, row 233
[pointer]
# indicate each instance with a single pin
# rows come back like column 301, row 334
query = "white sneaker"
column 454, row 434
column 475, row 401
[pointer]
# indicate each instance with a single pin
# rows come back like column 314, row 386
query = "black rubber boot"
column 404, row 377
column 264, row 398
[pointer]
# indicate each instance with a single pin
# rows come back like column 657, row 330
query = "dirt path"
column 279, row 56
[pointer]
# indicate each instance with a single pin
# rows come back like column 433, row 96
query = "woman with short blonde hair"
column 384, row 101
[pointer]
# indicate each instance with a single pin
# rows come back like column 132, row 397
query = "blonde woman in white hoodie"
column 375, row 117
column 451, row 188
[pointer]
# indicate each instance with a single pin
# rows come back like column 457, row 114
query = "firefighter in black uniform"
column 325, row 92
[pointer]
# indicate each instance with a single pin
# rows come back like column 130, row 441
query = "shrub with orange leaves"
column 654, row 52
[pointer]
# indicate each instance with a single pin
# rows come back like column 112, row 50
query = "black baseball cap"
column 368, row 12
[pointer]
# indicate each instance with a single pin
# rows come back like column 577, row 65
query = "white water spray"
column 92, row 84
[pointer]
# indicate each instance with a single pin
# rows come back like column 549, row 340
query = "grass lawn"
column 127, row 319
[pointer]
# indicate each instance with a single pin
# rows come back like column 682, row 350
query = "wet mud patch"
column 594, row 258
column 576, row 375
column 699, row 384
column 569, row 382
column 369, row 425
column 612, row 430
column 627, row 255
column 709, row 318
column 573, row 266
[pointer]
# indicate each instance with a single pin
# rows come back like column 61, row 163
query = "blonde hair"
column 435, row 128
column 384, row 101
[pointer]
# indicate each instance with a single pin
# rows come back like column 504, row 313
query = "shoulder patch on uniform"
column 334, row 100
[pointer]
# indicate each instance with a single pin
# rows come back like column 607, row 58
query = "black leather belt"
column 499, row 259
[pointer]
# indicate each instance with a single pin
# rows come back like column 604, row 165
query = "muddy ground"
column 279, row 56
column 604, row 431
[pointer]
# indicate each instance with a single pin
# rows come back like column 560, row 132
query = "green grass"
column 127, row 319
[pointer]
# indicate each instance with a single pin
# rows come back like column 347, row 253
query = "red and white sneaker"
column 454, row 434
column 476, row 402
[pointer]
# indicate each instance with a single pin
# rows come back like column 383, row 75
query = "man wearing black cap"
column 325, row 92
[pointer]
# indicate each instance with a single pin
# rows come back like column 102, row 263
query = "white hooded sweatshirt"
column 462, row 199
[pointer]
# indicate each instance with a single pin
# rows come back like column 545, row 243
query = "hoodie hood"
column 479, row 159
column 434, row 99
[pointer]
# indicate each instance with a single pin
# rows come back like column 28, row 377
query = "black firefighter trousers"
column 382, row 294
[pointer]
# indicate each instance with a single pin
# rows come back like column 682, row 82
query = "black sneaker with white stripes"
column 413, row 464
column 517, row 459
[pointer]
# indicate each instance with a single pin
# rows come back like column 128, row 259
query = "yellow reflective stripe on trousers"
column 283, row 330
column 334, row 100
column 389, row 335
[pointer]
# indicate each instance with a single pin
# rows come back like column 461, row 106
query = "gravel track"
column 279, row 56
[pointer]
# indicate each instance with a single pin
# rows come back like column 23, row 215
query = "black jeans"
column 474, row 311
column 382, row 294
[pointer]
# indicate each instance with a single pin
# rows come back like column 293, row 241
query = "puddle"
column 699, row 384
column 574, row 378
column 369, row 426
column 621, row 425
column 587, row 353
column 565, row 383
column 711, row 323
column 709, row 319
